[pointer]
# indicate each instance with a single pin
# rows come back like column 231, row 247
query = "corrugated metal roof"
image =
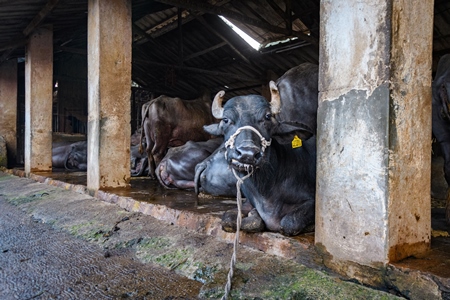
column 210, row 55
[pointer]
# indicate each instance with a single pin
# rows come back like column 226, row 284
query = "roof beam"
column 205, row 51
column 51, row 4
column 37, row 20
column 227, row 13
column 210, row 28
column 196, row 70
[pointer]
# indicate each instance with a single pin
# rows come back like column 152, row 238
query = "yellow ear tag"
column 296, row 142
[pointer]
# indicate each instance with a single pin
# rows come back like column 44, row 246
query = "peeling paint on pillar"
column 109, row 91
column 374, row 132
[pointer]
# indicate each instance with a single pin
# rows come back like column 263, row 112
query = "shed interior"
column 179, row 48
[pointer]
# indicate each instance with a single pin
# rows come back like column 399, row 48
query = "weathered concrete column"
column 109, row 91
column 374, row 133
column 8, row 108
column 38, row 101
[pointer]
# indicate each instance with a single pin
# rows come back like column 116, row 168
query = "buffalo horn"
column 217, row 109
column 275, row 102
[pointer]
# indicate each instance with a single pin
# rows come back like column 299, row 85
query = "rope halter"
column 230, row 142
column 239, row 182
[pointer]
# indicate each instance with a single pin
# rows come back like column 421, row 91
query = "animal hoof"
column 229, row 221
column 253, row 223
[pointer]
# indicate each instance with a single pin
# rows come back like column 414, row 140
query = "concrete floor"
column 414, row 278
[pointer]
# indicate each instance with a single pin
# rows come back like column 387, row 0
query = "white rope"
column 239, row 182
column 264, row 142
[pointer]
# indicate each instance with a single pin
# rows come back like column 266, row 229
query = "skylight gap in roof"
column 254, row 44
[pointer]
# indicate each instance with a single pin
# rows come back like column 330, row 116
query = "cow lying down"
column 70, row 156
column 441, row 116
column 281, row 189
column 177, row 168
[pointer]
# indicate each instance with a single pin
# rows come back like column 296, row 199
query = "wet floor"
column 148, row 190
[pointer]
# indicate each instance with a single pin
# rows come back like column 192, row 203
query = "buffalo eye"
column 268, row 116
column 225, row 120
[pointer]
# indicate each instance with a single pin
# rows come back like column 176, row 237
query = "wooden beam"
column 196, row 70
column 51, row 4
column 14, row 44
column 205, row 51
column 215, row 10
column 71, row 50
column 37, row 20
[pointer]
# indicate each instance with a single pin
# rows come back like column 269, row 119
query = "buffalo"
column 298, row 92
column 213, row 175
column 177, row 169
column 280, row 192
column 70, row 156
column 171, row 122
column 138, row 161
column 441, row 116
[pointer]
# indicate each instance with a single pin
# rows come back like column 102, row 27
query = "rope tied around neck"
column 239, row 182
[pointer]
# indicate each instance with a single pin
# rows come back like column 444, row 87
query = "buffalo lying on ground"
column 70, row 156
column 280, row 192
column 441, row 116
column 177, row 168
column 171, row 122
column 297, row 91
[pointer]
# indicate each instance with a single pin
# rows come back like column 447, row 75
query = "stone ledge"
column 410, row 283
column 300, row 249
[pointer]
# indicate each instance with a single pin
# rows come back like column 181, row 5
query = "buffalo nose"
column 248, row 155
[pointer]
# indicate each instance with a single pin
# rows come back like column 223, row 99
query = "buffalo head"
column 248, row 124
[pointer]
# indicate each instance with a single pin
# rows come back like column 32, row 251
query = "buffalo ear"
column 286, row 131
column 213, row 129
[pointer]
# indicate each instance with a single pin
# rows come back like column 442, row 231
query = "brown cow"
column 171, row 122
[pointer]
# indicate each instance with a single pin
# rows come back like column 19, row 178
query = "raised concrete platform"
column 414, row 278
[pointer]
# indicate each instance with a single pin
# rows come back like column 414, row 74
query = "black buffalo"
column 213, row 175
column 441, row 116
column 171, row 122
column 281, row 190
column 71, row 156
column 177, row 168
column 138, row 162
column 298, row 92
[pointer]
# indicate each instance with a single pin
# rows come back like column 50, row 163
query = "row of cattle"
column 201, row 145
column 241, row 136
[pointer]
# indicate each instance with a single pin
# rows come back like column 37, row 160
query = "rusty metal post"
column 38, row 100
column 8, row 108
column 374, row 134
column 109, row 88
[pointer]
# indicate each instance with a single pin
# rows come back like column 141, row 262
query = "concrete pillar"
column 8, row 108
column 109, row 91
column 374, row 133
column 38, row 101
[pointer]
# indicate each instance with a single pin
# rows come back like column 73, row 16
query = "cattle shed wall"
column 374, row 129
column 8, row 108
